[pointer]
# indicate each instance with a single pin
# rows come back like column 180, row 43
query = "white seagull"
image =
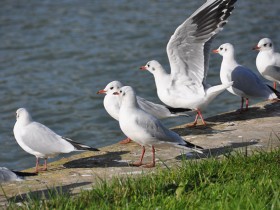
column 268, row 61
column 246, row 83
column 188, row 53
column 37, row 139
column 111, row 103
column 144, row 128
column 7, row 175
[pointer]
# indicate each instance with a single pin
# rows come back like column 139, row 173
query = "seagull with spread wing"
column 188, row 52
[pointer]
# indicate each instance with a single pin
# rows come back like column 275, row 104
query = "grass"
column 236, row 182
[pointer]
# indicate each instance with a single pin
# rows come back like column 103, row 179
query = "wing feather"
column 43, row 140
column 189, row 47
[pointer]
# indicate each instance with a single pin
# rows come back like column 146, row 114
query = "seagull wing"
column 43, row 140
column 189, row 47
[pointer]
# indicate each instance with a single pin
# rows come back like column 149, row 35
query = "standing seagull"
column 111, row 103
column 39, row 140
column 246, row 83
column 188, row 53
column 268, row 61
column 144, row 128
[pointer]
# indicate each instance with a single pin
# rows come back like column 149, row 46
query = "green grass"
column 236, row 182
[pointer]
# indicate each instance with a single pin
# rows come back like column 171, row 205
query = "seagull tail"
column 23, row 174
column 277, row 93
column 197, row 151
column 213, row 91
column 79, row 146
column 193, row 147
column 178, row 111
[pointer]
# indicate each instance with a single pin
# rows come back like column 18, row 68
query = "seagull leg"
column 247, row 104
column 242, row 102
column 196, row 118
column 274, row 85
column 139, row 163
column 153, row 163
column 195, row 122
column 37, row 165
column 200, row 115
column 125, row 141
column 45, row 165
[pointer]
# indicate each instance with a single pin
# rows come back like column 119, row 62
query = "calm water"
column 55, row 56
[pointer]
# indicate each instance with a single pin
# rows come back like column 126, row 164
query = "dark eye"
column 121, row 91
column 265, row 45
column 148, row 65
column 221, row 48
column 111, row 88
column 270, row 45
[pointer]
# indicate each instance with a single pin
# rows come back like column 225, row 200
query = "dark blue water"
column 55, row 56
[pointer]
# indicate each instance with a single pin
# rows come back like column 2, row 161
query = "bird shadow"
column 251, row 113
column 198, row 130
column 47, row 193
column 214, row 152
column 110, row 159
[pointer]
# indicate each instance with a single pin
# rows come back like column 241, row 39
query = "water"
column 55, row 56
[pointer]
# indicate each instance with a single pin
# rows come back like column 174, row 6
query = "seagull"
column 37, row 139
column 268, row 61
column 111, row 103
column 188, row 52
column 7, row 175
column 246, row 83
column 144, row 128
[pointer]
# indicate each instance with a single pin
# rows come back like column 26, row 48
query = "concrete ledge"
column 256, row 129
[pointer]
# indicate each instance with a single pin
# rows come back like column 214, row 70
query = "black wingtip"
column 177, row 110
column 23, row 174
column 191, row 145
column 80, row 146
column 277, row 93
column 93, row 149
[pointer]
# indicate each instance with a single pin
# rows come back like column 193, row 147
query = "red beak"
column 215, row 51
column 143, row 68
column 101, row 92
column 256, row 48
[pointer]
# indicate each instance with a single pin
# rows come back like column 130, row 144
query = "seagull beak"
column 143, row 68
column 215, row 51
column 101, row 92
column 116, row 93
column 256, row 48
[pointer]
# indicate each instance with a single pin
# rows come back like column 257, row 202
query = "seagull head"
column 23, row 116
column 226, row 49
column 111, row 88
column 264, row 44
column 127, row 93
column 152, row 66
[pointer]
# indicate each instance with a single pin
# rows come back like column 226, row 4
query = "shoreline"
column 255, row 130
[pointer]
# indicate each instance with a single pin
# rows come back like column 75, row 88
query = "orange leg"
column 125, row 141
column 37, row 165
column 242, row 102
column 153, row 163
column 139, row 163
column 196, row 118
column 45, row 165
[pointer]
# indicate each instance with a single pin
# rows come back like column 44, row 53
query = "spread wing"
column 189, row 47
